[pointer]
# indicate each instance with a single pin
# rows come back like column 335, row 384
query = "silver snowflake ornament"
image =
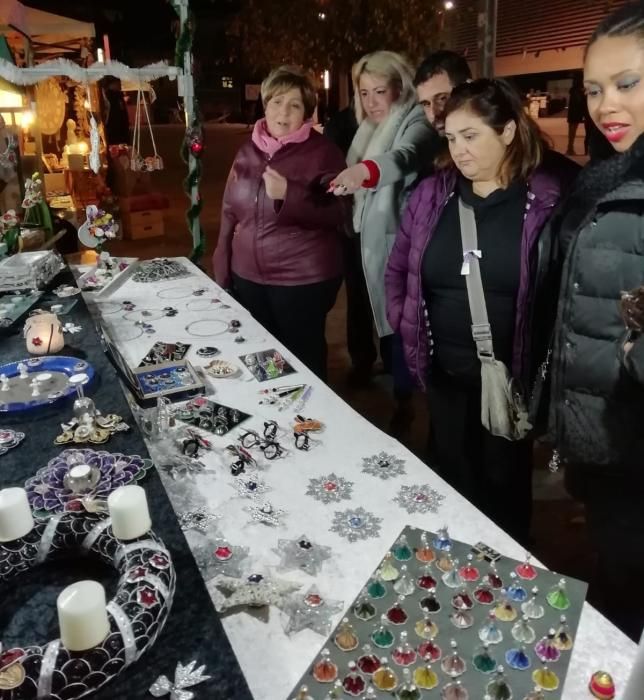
column 302, row 554
column 250, row 485
column 311, row 611
column 383, row 465
column 330, row 489
column 265, row 513
column 419, row 498
column 184, row 677
column 356, row 524
column 200, row 519
column 254, row 591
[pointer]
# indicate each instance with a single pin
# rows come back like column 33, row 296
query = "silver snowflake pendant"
column 200, row 519
column 383, row 465
column 330, row 489
column 419, row 498
column 184, row 677
column 356, row 524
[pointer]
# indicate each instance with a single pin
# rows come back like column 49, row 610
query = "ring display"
column 137, row 613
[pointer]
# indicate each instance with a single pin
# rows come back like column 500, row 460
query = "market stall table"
column 273, row 662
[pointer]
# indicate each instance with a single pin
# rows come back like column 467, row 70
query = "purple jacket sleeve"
column 224, row 250
column 396, row 273
column 307, row 204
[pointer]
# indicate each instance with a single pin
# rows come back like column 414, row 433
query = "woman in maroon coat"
column 279, row 247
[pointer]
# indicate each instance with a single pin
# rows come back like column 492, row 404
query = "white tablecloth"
column 273, row 662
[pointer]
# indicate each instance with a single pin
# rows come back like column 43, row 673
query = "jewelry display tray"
column 185, row 380
column 468, row 640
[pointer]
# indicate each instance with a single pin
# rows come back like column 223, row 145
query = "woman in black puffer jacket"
column 597, row 402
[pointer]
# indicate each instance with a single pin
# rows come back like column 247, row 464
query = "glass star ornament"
column 302, row 554
column 383, row 465
column 220, row 557
column 184, row 677
column 419, row 498
column 311, row 611
column 199, row 519
column 254, row 591
column 330, row 488
column 356, row 524
column 48, row 491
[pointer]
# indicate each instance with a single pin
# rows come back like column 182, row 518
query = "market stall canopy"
column 50, row 33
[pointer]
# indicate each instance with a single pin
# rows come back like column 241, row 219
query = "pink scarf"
column 270, row 145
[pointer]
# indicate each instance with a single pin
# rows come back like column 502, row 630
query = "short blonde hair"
column 286, row 78
column 389, row 65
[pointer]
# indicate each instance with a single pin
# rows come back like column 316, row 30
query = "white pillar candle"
column 633, row 690
column 82, row 616
column 15, row 514
column 128, row 508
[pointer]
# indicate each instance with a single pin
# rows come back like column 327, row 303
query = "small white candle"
column 15, row 514
column 128, row 508
column 82, row 616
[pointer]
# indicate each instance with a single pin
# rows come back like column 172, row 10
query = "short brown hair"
column 286, row 78
column 496, row 102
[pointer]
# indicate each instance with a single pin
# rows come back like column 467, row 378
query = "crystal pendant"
column 364, row 609
column 382, row 637
column 302, row 694
column 385, row 678
column 469, row 573
column 518, row 659
column 492, row 579
column 425, row 677
column 491, row 633
column 455, row 691
column 401, row 550
column 424, row 553
column 462, row 600
column 451, row 579
column 368, row 663
column 545, row 678
column 353, row 683
column 462, row 619
column 444, row 562
column 442, row 541
column 536, row 694
column 522, row 631
column 404, row 585
column 396, row 614
column 430, row 603
column 426, row 581
column 532, row 609
column 563, row 638
column 515, row 591
column 546, row 648
column 324, row 670
column 454, row 665
column 387, row 571
column 498, row 688
column 408, row 690
column 345, row 638
column 336, row 692
column 526, row 571
column 484, row 595
column 484, row 661
column 505, row 612
column 404, row 654
column 558, row 596
column 430, row 651
column 426, row 628
column 602, row 686
column 376, row 589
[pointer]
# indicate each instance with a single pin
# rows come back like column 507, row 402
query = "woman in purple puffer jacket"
column 496, row 167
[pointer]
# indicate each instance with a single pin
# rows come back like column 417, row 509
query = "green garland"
column 193, row 141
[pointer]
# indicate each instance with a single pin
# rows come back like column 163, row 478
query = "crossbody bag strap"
column 471, row 270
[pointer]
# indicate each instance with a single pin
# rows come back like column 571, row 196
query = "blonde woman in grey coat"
column 393, row 146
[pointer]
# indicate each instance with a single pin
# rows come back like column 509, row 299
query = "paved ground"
column 558, row 522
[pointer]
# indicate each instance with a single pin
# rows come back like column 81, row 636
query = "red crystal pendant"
column 484, row 596
column 426, row 582
column 354, row 684
column 526, row 571
column 369, row 663
column 397, row 615
column 430, row 651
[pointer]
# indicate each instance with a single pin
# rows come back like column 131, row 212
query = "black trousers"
column 491, row 472
column 295, row 315
column 615, row 520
